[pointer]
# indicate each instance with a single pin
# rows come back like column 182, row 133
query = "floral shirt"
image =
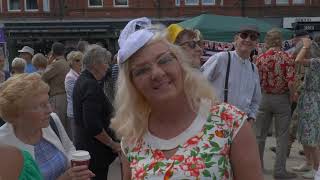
column 205, row 155
column 276, row 71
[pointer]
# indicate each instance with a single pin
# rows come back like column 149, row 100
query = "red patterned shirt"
column 276, row 70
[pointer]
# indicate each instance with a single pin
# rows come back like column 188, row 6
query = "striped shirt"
column 52, row 162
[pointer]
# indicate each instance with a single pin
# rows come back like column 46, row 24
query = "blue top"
column 30, row 68
column 51, row 162
column 244, row 82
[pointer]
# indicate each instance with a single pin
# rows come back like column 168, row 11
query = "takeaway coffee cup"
column 79, row 158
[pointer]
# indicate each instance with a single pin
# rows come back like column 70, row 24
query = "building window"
column 177, row 2
column 31, row 5
column 120, row 2
column 298, row 2
column 280, row 2
column 192, row 2
column 268, row 2
column 46, row 6
column 208, row 2
column 95, row 3
column 14, row 5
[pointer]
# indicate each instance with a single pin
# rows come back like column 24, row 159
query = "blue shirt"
column 51, row 162
column 30, row 68
column 244, row 82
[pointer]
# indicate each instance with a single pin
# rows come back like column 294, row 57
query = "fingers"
column 80, row 173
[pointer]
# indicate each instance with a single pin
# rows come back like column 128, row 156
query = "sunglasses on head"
column 192, row 44
column 253, row 36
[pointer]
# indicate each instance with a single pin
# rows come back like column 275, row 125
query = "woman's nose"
column 157, row 72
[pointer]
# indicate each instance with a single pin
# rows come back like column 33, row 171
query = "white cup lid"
column 80, row 155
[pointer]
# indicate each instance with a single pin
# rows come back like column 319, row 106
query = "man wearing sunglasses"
column 234, row 78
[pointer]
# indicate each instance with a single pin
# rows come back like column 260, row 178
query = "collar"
column 240, row 59
column 74, row 72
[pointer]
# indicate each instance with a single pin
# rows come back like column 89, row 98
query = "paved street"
column 294, row 160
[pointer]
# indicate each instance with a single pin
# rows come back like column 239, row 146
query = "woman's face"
column 36, row 113
column 193, row 48
column 156, row 73
column 77, row 65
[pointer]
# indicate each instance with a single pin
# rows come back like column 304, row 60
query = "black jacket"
column 92, row 113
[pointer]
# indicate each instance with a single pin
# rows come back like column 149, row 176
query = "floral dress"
column 308, row 108
column 203, row 151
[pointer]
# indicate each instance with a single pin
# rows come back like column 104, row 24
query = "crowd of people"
column 159, row 109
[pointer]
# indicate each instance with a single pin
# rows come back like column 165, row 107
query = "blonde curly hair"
column 15, row 92
column 132, row 109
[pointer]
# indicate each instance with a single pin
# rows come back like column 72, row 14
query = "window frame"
column 282, row 4
column 43, row 4
column 299, row 4
column 193, row 4
column 30, row 10
column 12, row 10
column 209, row 4
column 95, row 6
column 177, row 4
column 114, row 4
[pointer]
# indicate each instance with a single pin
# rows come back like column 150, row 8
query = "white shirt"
column 63, row 143
column 244, row 82
column 69, row 83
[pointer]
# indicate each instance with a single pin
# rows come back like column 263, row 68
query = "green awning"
column 223, row 28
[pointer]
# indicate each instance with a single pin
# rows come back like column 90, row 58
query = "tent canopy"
column 223, row 28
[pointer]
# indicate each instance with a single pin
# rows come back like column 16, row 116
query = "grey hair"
column 18, row 64
column 95, row 55
column 314, row 49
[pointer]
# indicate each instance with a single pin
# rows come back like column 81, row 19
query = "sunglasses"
column 253, row 36
column 77, row 60
column 192, row 44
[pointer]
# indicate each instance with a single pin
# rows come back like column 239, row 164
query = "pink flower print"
column 193, row 165
column 192, row 141
column 178, row 158
column 227, row 118
column 139, row 173
column 225, row 150
column 158, row 155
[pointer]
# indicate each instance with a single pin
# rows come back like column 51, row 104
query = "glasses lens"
column 244, row 35
column 77, row 60
column 253, row 37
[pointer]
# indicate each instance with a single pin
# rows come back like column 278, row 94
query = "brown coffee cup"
column 79, row 158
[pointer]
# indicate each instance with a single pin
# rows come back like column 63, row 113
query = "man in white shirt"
column 243, row 84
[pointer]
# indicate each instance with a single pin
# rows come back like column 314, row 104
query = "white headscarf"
column 134, row 36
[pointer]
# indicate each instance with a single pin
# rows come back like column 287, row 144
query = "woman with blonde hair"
column 168, row 118
column 74, row 59
column 28, row 127
column 40, row 62
column 189, row 40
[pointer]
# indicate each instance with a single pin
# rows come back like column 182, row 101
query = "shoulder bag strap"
column 227, row 79
column 54, row 126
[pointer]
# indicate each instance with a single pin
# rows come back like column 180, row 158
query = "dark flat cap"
column 252, row 28
column 300, row 32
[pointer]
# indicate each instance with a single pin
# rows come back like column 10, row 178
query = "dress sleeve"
column 232, row 119
column 30, row 169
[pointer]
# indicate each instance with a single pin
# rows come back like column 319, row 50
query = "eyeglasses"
column 164, row 60
column 192, row 44
column 253, row 36
column 77, row 60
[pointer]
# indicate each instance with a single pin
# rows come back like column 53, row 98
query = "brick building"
column 40, row 22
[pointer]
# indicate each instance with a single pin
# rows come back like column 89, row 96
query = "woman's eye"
column 140, row 71
column 165, row 60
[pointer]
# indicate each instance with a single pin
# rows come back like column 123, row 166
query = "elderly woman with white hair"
column 18, row 66
column 93, row 111
column 74, row 59
column 171, row 125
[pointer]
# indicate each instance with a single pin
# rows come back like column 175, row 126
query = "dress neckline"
column 194, row 128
